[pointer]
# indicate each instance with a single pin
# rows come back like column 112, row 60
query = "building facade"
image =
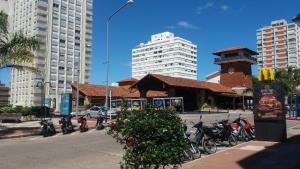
column 278, row 45
column 64, row 28
column 167, row 55
column 4, row 94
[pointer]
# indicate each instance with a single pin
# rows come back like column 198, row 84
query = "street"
column 91, row 150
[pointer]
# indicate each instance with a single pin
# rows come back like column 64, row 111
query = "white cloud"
column 224, row 7
column 187, row 25
column 205, row 6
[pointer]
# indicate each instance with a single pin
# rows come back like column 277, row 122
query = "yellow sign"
column 264, row 73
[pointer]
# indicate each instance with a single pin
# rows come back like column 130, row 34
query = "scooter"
column 48, row 128
column 66, row 125
column 83, row 124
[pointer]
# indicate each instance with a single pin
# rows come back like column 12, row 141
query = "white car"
column 94, row 111
column 82, row 113
column 97, row 111
column 110, row 113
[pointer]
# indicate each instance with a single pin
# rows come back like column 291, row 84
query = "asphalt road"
column 91, row 150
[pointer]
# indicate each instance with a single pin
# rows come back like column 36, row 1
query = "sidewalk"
column 254, row 155
column 13, row 130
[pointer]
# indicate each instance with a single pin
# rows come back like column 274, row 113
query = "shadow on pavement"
column 278, row 156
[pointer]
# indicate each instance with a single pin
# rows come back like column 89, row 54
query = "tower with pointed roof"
column 236, row 67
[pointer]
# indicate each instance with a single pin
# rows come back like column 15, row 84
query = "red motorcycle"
column 243, row 129
column 83, row 124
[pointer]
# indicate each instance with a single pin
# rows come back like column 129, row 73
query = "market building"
column 233, row 90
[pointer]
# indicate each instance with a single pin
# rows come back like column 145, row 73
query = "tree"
column 15, row 49
column 158, row 138
column 290, row 78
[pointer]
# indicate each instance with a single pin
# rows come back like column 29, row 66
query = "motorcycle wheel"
column 232, row 140
column 44, row 132
column 196, row 152
column 209, row 146
column 64, row 130
column 188, row 155
column 245, row 135
column 252, row 133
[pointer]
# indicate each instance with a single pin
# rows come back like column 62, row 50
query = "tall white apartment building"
column 165, row 55
column 65, row 30
column 278, row 45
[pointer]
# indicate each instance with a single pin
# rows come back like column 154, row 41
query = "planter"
column 11, row 116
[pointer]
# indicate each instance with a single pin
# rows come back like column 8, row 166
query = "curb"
column 35, row 131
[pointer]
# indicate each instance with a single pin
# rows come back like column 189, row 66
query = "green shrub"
column 7, row 109
column 26, row 111
column 158, row 136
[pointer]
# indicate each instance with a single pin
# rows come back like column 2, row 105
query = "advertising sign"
column 268, row 101
column 298, row 104
column 66, row 104
column 269, row 111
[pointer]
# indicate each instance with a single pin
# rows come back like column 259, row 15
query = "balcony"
column 222, row 60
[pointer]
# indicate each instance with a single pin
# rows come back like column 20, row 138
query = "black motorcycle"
column 48, row 128
column 99, row 124
column 66, row 125
column 220, row 132
column 202, row 139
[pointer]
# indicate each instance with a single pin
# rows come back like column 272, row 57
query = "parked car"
column 112, row 112
column 82, row 113
column 94, row 111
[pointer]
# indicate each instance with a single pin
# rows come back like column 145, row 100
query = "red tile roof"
column 130, row 79
column 117, row 91
column 189, row 83
column 234, row 49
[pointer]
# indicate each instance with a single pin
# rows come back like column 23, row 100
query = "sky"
column 210, row 24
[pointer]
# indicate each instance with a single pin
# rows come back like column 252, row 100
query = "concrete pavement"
column 255, row 155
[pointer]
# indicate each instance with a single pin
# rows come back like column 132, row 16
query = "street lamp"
column 107, row 52
column 42, row 84
column 296, row 18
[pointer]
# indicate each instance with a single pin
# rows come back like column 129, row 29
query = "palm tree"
column 15, row 50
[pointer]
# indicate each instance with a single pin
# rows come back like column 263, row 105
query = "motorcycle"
column 192, row 151
column 202, row 139
column 222, row 131
column 83, row 124
column 99, row 124
column 48, row 128
column 243, row 129
column 66, row 125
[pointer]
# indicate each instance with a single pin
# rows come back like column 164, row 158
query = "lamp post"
column 77, row 93
column 41, row 84
column 43, row 94
column 107, row 52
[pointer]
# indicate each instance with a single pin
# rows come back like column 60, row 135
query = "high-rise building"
column 4, row 94
column 64, row 28
column 278, row 45
column 165, row 55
